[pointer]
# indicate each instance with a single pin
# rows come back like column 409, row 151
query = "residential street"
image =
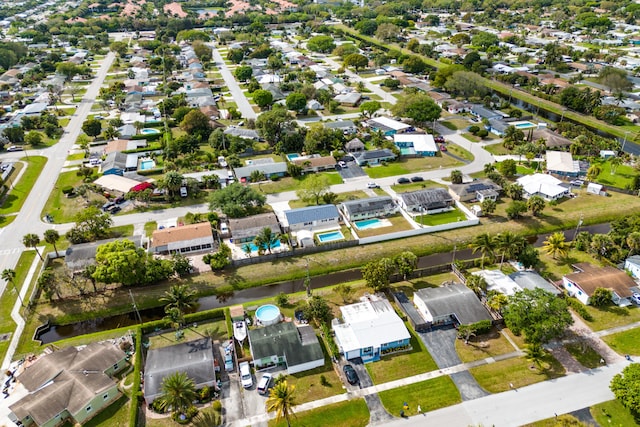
column 236, row 92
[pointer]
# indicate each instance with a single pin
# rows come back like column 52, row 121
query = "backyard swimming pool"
column 292, row 156
column 254, row 248
column 366, row 224
column 149, row 131
column 147, row 164
column 330, row 236
column 524, row 125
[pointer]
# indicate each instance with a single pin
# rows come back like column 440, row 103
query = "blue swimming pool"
column 292, row 156
column 149, row 131
column 147, row 164
column 268, row 314
column 330, row 236
column 524, row 125
column 254, row 248
column 366, row 224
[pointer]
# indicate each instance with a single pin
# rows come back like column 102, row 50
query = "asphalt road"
column 236, row 93
column 29, row 220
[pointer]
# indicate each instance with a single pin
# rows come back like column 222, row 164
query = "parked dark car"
column 119, row 200
column 417, row 179
column 403, row 180
column 350, row 373
column 439, row 138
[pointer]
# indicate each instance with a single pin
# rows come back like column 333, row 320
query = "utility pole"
column 577, row 227
column 135, row 307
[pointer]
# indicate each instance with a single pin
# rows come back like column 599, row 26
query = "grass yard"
column 352, row 413
column 614, row 414
column 430, row 395
column 309, row 384
column 16, row 197
column 497, row 377
column 622, row 178
column 410, row 165
column 556, row 268
column 524, row 170
column 449, row 125
column 460, row 152
column 404, row 364
column 441, row 218
column 62, row 208
column 627, row 342
column 415, row 186
column 292, row 184
column 150, row 227
column 497, row 149
column 471, row 137
column 117, row 414
column 560, row 420
column 217, row 330
column 206, row 418
column 483, row 346
column 587, row 356
column 398, row 223
column 342, row 197
column 612, row 316
column 76, row 156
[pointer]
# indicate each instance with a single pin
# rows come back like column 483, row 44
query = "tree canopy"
column 626, row 387
column 273, row 124
column 237, row 201
column 322, row 44
column 419, row 107
column 121, row 261
column 313, row 188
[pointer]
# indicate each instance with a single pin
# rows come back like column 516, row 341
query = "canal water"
column 59, row 332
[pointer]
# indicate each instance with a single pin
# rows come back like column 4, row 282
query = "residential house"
column 313, row 164
column 562, row 163
column 312, row 217
column 457, row 107
column 354, row 146
column 284, row 344
column 450, row 304
column 415, row 144
column 632, row 265
column 543, row 185
column 374, row 157
column 480, row 190
column 440, row 98
column 498, row 281
column 529, row 279
column 350, row 99
column 346, row 126
column 414, row 317
column 372, row 207
column 246, row 229
column 428, row 201
column 117, row 163
column 114, row 182
column 498, row 126
column 222, row 176
column 388, row 126
column 35, row 109
column 78, row 256
column 480, row 112
column 194, row 358
column 242, row 133
column 117, row 145
column 370, row 329
column 279, row 169
column 69, row 385
column 583, row 283
column 183, row 239
column 127, row 131
column 552, row 139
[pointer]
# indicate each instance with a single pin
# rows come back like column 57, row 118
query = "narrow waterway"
column 56, row 333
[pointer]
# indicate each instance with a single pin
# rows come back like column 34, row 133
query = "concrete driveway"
column 377, row 413
column 351, row 171
column 441, row 344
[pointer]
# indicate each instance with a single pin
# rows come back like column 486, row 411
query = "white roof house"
column 562, row 163
column 387, row 124
column 498, row 281
column 116, row 182
column 421, row 143
column 368, row 327
column 546, row 186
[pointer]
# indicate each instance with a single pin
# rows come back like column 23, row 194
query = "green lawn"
column 524, row 170
column 430, row 395
column 560, row 420
column 470, row 137
column 627, row 342
column 117, row 414
column 415, row 186
column 554, row 269
column 62, row 208
column 449, row 125
column 409, row 165
column 150, row 227
column 76, row 156
column 612, row 316
column 217, row 330
column 352, row 413
column 497, row 149
column 497, row 377
column 622, row 178
column 614, row 414
column 401, row 365
column 342, row 197
column 483, row 346
column 292, row 184
column 16, row 197
column 441, row 218
column 460, row 152
column 398, row 223
column 587, row 356
column 309, row 385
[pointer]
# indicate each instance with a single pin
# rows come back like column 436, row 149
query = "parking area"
column 377, row 413
column 351, row 171
column 441, row 345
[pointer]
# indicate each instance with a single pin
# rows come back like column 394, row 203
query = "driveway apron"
column 377, row 413
column 441, row 344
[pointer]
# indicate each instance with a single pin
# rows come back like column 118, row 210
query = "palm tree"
column 247, row 249
column 484, row 243
column 175, row 316
column 534, row 353
column 456, row 177
column 138, row 126
column 600, row 243
column 497, row 301
column 536, row 205
column 172, row 181
column 633, row 241
column 32, row 240
column 593, row 172
column 615, row 162
column 178, row 392
column 489, row 167
column 281, row 400
column 265, row 239
column 477, row 284
column 52, row 237
column 509, row 244
column 555, row 245
column 9, row 275
column 111, row 133
column 181, row 297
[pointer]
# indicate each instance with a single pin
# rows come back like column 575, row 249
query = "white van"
column 183, row 192
column 263, row 384
column 245, row 375
column 224, row 228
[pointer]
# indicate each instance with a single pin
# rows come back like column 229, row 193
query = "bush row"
column 136, row 394
column 579, row 308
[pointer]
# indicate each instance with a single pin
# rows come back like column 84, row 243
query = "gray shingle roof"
column 429, row 198
column 376, row 154
column 342, row 124
column 367, row 205
column 285, row 339
column 531, row 280
column 311, row 213
column 454, row 299
column 267, row 169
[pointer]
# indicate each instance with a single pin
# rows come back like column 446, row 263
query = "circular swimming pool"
column 268, row 314
column 149, row 131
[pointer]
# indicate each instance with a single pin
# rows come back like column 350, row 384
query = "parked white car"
column 245, row 375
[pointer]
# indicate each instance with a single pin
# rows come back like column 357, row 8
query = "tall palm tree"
column 593, row 172
column 477, row 284
column 181, row 297
column 281, row 400
column 615, row 162
column 633, row 241
column 536, row 205
column 484, row 243
column 265, row 239
column 52, row 237
column 555, row 245
column 509, row 245
column 175, row 316
column 172, row 182
column 138, row 126
column 534, row 353
column 9, row 276
column 178, row 392
column 32, row 240
column 497, row 301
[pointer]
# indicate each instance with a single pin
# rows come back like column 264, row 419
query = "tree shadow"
column 566, row 260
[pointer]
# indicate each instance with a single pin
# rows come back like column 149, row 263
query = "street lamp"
column 564, row 110
column 624, row 141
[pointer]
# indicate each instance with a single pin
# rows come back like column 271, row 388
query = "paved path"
column 236, row 92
